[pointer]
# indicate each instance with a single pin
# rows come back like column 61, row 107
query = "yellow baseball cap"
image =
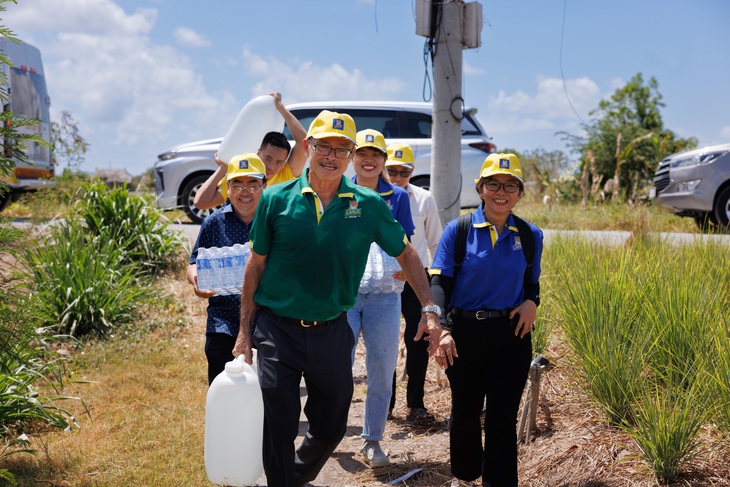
column 371, row 138
column 500, row 164
column 247, row 164
column 332, row 124
column 400, row 154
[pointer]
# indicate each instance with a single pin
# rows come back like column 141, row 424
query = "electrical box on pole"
column 423, row 18
column 472, row 25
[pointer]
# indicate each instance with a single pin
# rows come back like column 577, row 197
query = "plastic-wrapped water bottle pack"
column 220, row 269
column 378, row 275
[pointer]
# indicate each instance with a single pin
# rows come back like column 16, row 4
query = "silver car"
column 696, row 184
column 180, row 171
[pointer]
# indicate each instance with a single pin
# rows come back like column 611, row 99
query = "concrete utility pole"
column 447, row 109
column 450, row 26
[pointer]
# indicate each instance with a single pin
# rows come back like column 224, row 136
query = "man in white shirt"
column 425, row 239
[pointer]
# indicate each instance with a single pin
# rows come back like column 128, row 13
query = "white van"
column 24, row 95
column 180, row 171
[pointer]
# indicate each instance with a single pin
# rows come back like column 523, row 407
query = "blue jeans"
column 377, row 317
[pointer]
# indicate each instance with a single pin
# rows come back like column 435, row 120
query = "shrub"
column 82, row 282
column 136, row 227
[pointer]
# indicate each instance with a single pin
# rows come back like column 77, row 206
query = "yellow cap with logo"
column 247, row 164
column 400, row 154
column 332, row 124
column 371, row 138
column 500, row 164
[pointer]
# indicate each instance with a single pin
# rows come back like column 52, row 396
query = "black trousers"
column 416, row 352
column 492, row 363
column 322, row 355
column 218, row 351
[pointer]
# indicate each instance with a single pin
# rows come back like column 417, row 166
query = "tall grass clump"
column 83, row 283
column 647, row 330
column 132, row 224
column 30, row 376
column 600, row 301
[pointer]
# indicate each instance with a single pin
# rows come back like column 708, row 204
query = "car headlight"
column 688, row 186
column 166, row 156
column 698, row 159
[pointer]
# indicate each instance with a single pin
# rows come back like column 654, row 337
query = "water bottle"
column 390, row 266
column 205, row 274
column 234, row 426
column 257, row 118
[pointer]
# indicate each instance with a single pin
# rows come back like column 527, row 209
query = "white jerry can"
column 257, row 118
column 234, row 426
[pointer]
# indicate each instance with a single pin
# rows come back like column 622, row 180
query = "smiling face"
column 327, row 166
column 245, row 193
column 498, row 204
column 368, row 162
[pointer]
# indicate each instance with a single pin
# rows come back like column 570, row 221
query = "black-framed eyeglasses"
column 267, row 159
column 252, row 188
column 404, row 173
column 325, row 150
column 509, row 186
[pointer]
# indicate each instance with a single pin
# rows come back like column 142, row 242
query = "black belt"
column 482, row 314
column 304, row 323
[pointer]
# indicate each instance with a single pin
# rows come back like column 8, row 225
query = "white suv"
column 180, row 171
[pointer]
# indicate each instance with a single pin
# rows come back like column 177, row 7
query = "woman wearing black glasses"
column 492, row 294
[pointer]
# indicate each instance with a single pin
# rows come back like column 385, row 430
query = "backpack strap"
column 462, row 230
column 532, row 290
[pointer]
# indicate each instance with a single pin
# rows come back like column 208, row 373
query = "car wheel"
column 422, row 182
column 5, row 198
column 706, row 222
column 188, row 196
column 722, row 208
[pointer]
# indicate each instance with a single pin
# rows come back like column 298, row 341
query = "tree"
column 68, row 144
column 627, row 137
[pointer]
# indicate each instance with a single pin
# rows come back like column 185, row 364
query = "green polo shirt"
column 315, row 260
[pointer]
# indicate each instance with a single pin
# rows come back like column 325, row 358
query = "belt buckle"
column 481, row 315
column 305, row 325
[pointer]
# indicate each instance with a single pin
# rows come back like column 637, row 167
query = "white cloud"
column 99, row 17
column 189, row 38
column 300, row 80
column 471, row 70
column 128, row 94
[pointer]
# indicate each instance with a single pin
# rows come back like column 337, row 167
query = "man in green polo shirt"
column 310, row 241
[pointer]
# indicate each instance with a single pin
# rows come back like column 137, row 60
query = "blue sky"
column 141, row 76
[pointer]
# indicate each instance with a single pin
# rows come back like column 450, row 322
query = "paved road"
column 608, row 237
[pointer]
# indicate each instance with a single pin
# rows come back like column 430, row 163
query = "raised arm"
column 207, row 196
column 297, row 156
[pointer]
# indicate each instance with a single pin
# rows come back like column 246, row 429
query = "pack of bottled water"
column 378, row 275
column 220, row 269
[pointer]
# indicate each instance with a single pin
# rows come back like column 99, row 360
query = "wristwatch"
column 434, row 308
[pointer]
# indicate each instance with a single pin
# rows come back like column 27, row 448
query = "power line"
column 562, row 76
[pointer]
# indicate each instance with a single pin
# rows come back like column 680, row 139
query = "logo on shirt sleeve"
column 353, row 211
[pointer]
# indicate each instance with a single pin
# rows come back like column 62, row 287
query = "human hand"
column 243, row 347
column 527, row 314
column 446, row 350
column 429, row 328
column 218, row 161
column 277, row 100
column 198, row 292
column 399, row 276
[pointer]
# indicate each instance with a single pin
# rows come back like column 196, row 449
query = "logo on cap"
column 243, row 164
column 369, row 138
column 399, row 154
column 338, row 124
column 504, row 163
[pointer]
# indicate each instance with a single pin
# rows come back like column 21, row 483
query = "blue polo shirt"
column 222, row 229
column 492, row 273
column 398, row 202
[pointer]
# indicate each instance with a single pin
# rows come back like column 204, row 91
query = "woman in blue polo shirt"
column 492, row 297
column 376, row 314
